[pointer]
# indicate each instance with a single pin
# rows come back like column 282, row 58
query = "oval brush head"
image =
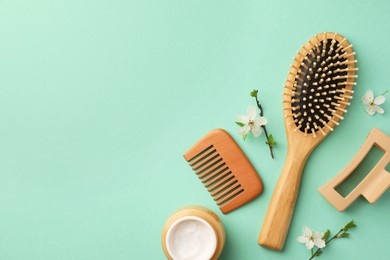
column 320, row 84
column 317, row 91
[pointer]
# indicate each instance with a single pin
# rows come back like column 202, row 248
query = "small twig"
column 327, row 242
column 263, row 126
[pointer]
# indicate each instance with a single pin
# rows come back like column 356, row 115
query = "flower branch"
column 255, row 122
column 320, row 239
column 270, row 140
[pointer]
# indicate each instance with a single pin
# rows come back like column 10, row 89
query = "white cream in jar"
column 193, row 233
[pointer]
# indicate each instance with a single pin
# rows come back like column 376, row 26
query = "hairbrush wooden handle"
column 281, row 208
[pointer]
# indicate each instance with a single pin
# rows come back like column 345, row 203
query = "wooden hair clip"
column 373, row 185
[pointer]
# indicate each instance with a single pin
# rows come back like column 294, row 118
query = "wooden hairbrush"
column 317, row 90
column 224, row 170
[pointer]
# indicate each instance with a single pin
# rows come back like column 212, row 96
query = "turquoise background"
column 100, row 99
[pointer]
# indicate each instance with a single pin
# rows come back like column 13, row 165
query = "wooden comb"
column 317, row 91
column 224, row 169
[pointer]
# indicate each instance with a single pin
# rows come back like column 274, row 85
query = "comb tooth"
column 339, row 48
column 315, row 125
column 307, row 51
column 313, row 132
column 331, row 119
column 326, row 124
column 346, row 96
column 324, row 42
column 211, row 168
column 226, row 191
column 341, row 42
column 222, row 179
column 230, row 196
column 224, row 186
column 335, row 104
column 346, row 56
column 341, row 109
column 201, row 167
column 346, row 83
column 210, row 175
column 298, row 86
column 344, row 103
column 289, row 87
column 337, row 115
column 336, row 56
column 308, row 60
column 216, row 181
column 331, row 46
column 349, row 62
column 304, row 65
column 345, row 77
column 298, row 127
column 348, row 47
column 322, row 131
column 298, row 77
column 295, row 121
column 297, row 115
column 202, row 157
column 192, row 155
column 345, row 90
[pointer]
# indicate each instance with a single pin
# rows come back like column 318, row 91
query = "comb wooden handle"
column 281, row 208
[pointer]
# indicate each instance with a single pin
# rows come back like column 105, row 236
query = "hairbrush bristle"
column 320, row 83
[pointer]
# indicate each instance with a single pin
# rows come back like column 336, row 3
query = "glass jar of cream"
column 193, row 233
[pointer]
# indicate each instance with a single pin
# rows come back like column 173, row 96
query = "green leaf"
column 351, row 224
column 271, row 140
column 240, row 124
column 254, row 93
column 319, row 252
column 326, row 234
column 343, row 235
column 244, row 137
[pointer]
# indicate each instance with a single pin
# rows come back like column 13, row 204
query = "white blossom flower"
column 371, row 103
column 311, row 238
column 251, row 122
